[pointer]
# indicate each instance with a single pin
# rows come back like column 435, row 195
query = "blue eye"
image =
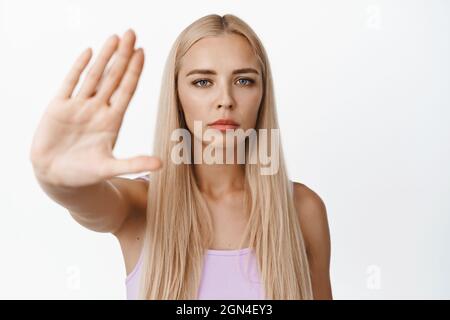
column 202, row 83
column 249, row 81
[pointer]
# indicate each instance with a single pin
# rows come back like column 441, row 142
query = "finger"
column 129, row 82
column 95, row 73
column 133, row 165
column 112, row 80
column 71, row 79
column 100, row 82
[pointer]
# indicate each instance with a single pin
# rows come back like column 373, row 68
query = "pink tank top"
column 227, row 275
column 224, row 276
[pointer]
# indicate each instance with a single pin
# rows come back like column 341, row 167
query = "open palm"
column 73, row 144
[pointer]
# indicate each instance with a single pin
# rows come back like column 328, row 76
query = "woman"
column 187, row 229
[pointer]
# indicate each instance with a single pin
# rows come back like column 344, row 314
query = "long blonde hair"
column 179, row 226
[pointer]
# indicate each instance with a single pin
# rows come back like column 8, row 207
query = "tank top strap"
column 144, row 177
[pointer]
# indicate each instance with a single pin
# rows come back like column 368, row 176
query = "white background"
column 363, row 93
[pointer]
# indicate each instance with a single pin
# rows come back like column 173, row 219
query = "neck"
column 216, row 179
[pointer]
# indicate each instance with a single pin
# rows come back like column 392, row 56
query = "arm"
column 314, row 225
column 103, row 207
column 72, row 148
column 117, row 206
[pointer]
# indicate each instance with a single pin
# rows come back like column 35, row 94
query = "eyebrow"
column 206, row 71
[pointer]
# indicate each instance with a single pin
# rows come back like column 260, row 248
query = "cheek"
column 250, row 102
column 193, row 105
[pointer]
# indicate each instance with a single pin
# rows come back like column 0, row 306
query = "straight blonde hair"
column 179, row 226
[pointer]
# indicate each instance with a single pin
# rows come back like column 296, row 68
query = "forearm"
column 100, row 207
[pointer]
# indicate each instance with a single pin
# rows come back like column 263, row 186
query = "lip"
column 224, row 124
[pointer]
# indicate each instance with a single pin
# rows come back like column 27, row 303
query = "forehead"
column 225, row 52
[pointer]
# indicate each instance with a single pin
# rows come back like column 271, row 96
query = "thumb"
column 134, row 165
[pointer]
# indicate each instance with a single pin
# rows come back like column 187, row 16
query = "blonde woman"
column 190, row 230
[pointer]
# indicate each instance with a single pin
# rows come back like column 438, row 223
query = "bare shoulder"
column 313, row 218
column 309, row 204
column 131, row 233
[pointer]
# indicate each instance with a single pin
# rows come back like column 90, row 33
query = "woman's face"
column 220, row 78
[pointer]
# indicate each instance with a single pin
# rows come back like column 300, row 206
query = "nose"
column 225, row 98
